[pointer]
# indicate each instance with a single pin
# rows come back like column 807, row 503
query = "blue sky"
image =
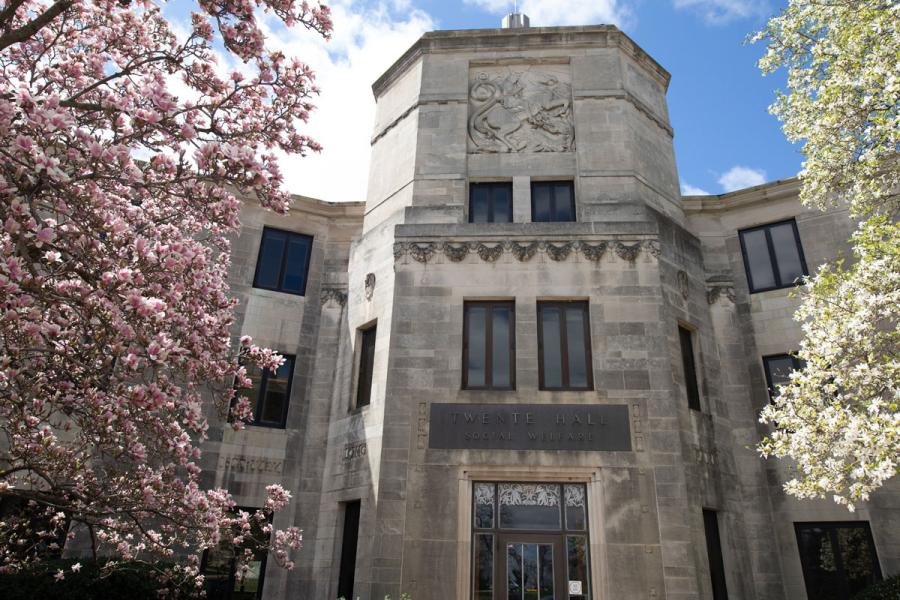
column 724, row 137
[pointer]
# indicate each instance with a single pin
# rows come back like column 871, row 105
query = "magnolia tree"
column 124, row 150
column 839, row 417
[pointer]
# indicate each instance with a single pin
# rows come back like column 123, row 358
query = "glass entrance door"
column 532, row 567
column 530, row 541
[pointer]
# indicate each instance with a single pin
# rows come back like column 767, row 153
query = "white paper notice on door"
column 575, row 588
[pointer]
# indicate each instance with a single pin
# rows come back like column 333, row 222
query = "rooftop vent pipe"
column 516, row 20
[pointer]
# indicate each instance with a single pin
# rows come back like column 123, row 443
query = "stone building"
column 527, row 367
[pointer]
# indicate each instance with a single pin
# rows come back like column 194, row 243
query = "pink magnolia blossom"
column 115, row 316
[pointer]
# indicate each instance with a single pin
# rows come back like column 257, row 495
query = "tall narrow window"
column 688, row 365
column 349, row 541
column 366, row 362
column 270, row 393
column 564, row 340
column 283, row 262
column 552, row 201
column 773, row 256
column 490, row 202
column 219, row 565
column 778, row 370
column 489, row 346
column 714, row 552
column 838, row 559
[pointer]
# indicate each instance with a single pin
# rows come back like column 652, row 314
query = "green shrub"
column 133, row 581
column 889, row 589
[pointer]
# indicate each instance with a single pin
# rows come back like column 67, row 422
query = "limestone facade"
column 579, row 104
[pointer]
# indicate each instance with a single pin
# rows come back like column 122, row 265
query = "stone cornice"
column 766, row 192
column 532, row 38
column 424, row 251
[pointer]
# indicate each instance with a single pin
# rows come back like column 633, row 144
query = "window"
column 773, row 256
column 714, row 552
column 349, row 541
column 838, row 559
column 685, row 337
column 564, row 346
column 270, row 393
column 366, row 362
column 489, row 346
column 530, row 540
column 218, row 568
column 552, row 201
column 778, row 370
column 490, row 202
column 283, row 261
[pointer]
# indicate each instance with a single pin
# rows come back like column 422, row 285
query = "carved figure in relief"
column 521, row 111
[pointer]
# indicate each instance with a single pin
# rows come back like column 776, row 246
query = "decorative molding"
column 684, row 284
column 491, row 251
column 370, row 285
column 558, row 253
column 456, row 252
column 521, row 110
column 714, row 292
column 523, row 252
column 629, row 253
column 339, row 296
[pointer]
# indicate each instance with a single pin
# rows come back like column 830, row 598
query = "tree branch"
column 26, row 31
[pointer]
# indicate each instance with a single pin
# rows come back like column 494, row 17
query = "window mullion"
column 564, row 343
column 260, row 400
column 771, row 246
column 490, row 203
column 284, row 255
column 488, row 346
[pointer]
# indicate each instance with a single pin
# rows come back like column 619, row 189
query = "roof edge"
column 519, row 39
column 772, row 190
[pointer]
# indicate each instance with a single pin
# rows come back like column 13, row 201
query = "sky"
column 725, row 139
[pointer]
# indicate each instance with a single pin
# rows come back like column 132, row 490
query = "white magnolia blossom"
column 844, row 103
column 838, row 419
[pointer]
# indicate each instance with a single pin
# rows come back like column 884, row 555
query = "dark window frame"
column 488, row 345
column 689, row 362
column 278, row 288
column 796, row 364
column 364, row 332
column 714, row 554
column 779, row 285
column 553, row 183
column 232, row 574
column 348, row 557
column 260, row 397
column 491, row 185
column 496, row 530
column 831, row 528
column 564, row 346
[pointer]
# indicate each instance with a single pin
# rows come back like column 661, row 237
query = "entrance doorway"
column 530, row 542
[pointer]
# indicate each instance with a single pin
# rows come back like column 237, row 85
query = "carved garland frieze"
column 335, row 294
column 424, row 252
column 713, row 293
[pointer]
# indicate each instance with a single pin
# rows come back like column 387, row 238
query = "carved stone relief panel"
column 520, row 108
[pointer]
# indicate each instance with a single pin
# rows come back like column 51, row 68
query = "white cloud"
column 739, row 177
column 547, row 13
column 692, row 190
column 368, row 37
column 723, row 11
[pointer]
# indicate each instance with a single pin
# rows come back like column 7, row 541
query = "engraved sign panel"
column 520, row 108
column 529, row 427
